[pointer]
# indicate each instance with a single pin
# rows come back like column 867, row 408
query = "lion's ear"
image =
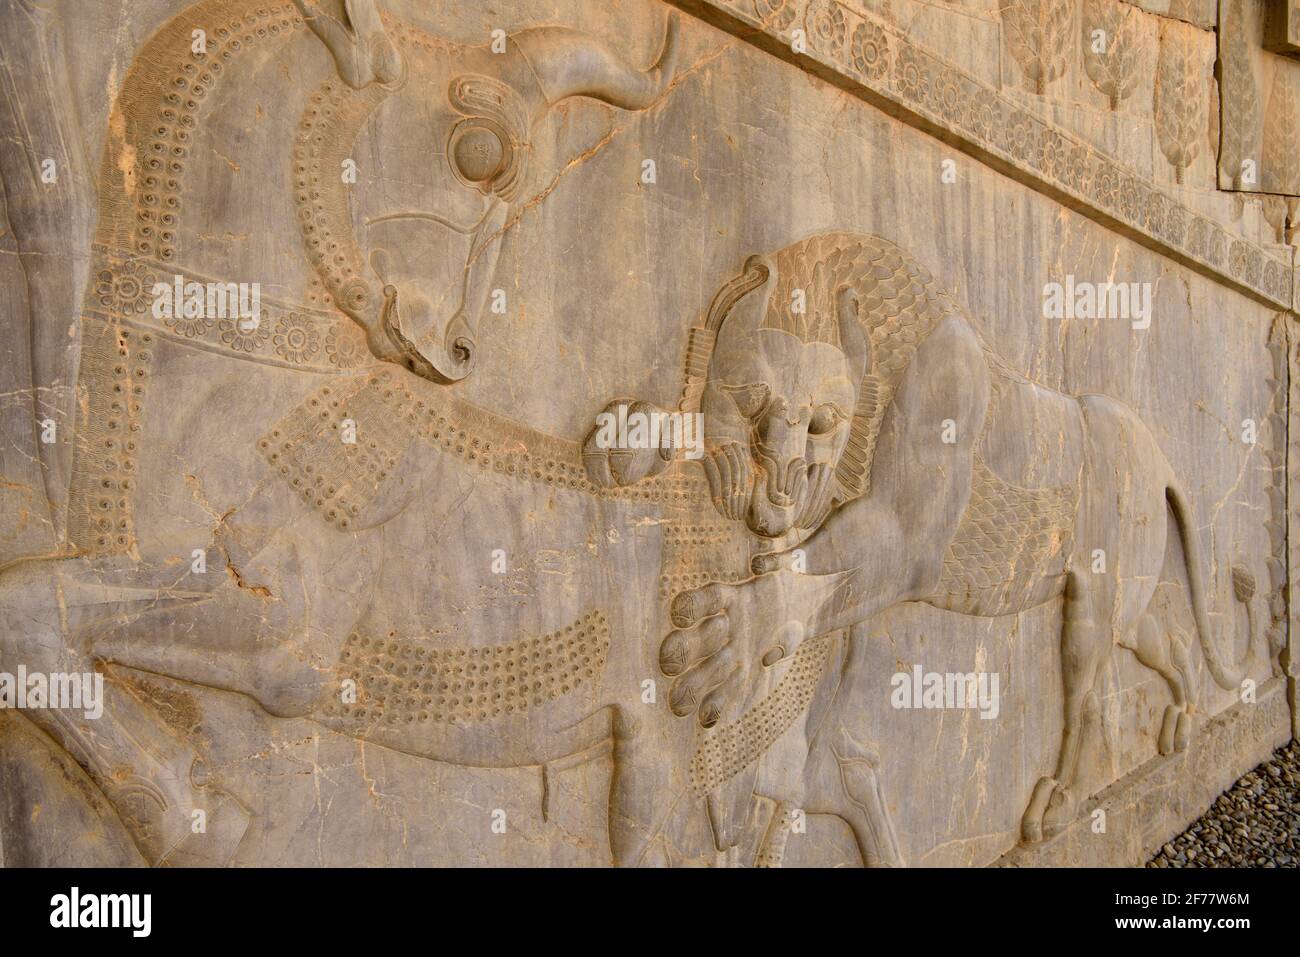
column 853, row 338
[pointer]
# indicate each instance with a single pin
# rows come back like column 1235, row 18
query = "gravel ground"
column 1255, row 824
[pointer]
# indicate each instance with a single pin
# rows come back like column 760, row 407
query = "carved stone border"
column 873, row 61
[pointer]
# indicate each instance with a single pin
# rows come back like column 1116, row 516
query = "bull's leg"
column 1165, row 654
column 1085, row 640
column 272, row 629
column 162, row 788
column 626, row 841
column 642, row 797
column 843, row 780
column 272, row 668
column 156, row 779
column 865, row 809
column 771, row 851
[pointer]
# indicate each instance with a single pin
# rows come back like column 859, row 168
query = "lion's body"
column 966, row 486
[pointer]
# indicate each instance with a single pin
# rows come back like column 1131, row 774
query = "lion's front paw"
column 724, row 636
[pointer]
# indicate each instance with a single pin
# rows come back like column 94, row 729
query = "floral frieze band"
column 870, row 57
column 126, row 288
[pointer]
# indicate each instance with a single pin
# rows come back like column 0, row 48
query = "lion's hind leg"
column 1165, row 653
column 1085, row 641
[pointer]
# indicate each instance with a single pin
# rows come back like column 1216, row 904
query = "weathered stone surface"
column 981, row 365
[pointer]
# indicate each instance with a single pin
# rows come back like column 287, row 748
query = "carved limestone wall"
column 335, row 338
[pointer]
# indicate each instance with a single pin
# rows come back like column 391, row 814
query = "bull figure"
column 176, row 444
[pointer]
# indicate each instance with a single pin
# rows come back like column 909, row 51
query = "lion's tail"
column 1228, row 675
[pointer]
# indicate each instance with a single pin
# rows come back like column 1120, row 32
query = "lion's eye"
column 825, row 419
column 750, row 399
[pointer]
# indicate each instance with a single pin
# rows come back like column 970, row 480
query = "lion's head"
column 777, row 408
column 793, row 370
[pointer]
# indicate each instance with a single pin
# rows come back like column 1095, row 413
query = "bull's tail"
column 1225, row 675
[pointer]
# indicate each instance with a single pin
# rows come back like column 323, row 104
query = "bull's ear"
column 355, row 36
column 853, row 337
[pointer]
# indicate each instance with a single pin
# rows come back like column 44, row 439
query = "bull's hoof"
column 225, row 822
column 180, row 815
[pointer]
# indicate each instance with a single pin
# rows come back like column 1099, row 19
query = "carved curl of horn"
column 569, row 63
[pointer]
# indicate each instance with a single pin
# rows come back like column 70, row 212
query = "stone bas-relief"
column 973, row 525
column 331, row 572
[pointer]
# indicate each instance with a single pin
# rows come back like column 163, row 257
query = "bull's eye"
column 825, row 419
column 478, row 153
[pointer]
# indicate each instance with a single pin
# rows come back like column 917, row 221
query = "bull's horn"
column 570, row 63
column 355, row 36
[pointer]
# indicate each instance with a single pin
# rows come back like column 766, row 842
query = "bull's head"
column 440, row 135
